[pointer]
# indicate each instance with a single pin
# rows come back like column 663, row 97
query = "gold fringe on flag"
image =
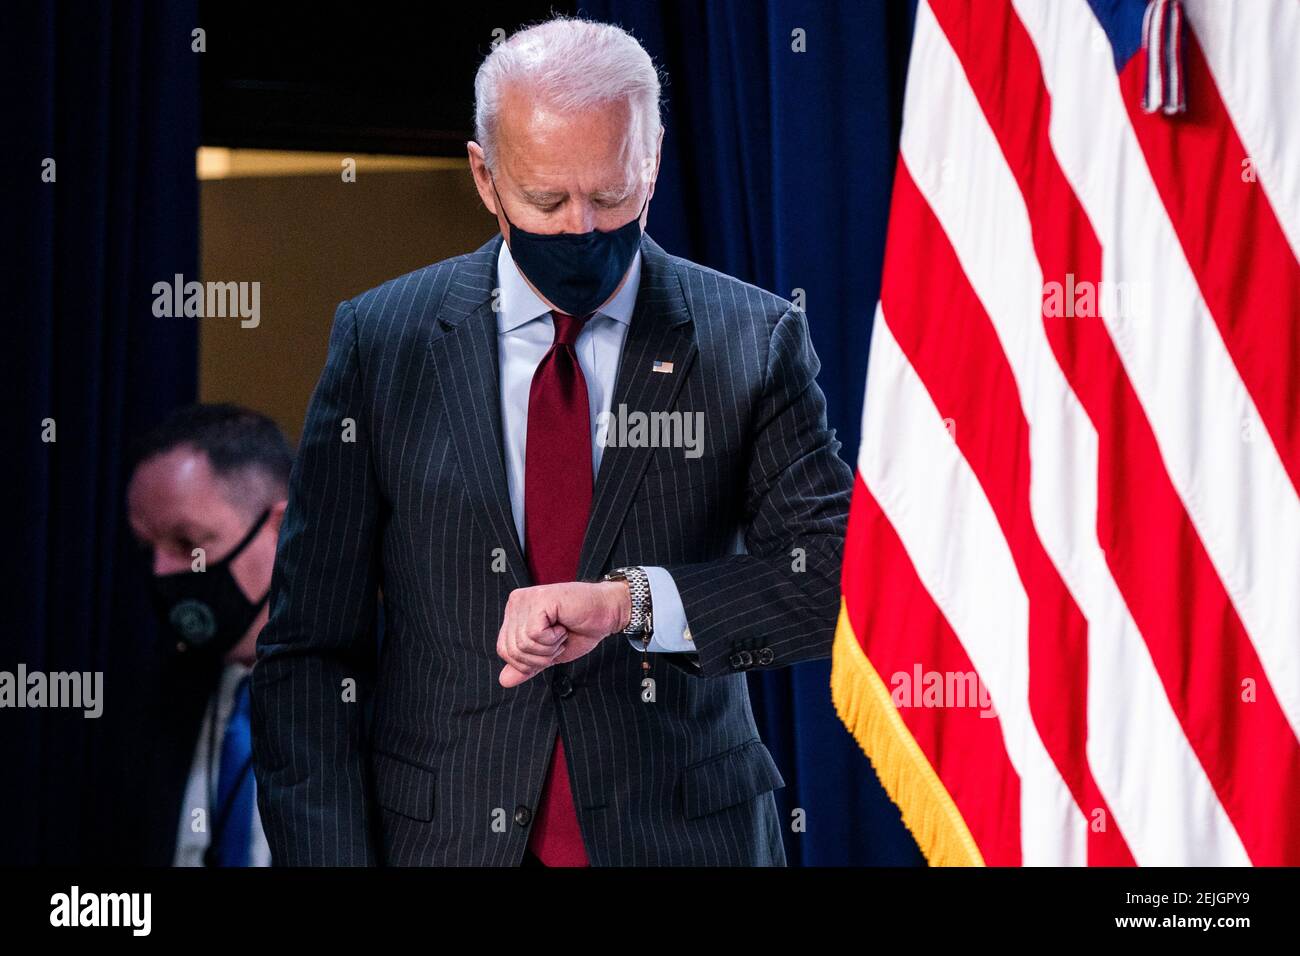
column 864, row 704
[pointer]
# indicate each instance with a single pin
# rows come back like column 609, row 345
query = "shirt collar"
column 520, row 304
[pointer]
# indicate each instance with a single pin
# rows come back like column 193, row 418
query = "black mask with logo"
column 206, row 611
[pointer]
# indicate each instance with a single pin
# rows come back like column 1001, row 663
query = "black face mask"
column 207, row 611
column 577, row 271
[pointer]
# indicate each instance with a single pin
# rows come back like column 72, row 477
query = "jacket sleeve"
column 316, row 655
column 778, row 603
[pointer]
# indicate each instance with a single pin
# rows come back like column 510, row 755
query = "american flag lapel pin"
column 662, row 366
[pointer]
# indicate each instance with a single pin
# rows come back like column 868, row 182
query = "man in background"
column 205, row 501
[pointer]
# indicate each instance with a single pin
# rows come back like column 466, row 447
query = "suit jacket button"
column 742, row 660
column 523, row 815
column 765, row 656
column 563, row 686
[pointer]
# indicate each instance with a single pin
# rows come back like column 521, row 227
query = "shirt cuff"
column 672, row 635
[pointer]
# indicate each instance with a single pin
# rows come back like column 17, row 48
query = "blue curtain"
column 782, row 134
column 109, row 93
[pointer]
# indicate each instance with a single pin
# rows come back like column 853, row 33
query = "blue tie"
column 235, row 784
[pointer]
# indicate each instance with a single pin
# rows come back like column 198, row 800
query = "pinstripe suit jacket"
column 399, row 486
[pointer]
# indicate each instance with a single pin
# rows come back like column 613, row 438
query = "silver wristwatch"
column 642, row 620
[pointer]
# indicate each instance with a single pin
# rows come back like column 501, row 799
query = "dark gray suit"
column 451, row 767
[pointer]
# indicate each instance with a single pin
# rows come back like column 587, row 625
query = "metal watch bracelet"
column 638, row 584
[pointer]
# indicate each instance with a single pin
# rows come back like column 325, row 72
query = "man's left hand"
column 557, row 623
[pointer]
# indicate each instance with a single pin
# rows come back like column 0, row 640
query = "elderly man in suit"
column 595, row 485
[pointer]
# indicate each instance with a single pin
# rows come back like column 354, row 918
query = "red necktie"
column 557, row 501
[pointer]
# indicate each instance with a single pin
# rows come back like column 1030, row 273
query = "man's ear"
column 659, row 153
column 277, row 516
column 482, row 181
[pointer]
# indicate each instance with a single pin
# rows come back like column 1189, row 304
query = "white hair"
column 573, row 65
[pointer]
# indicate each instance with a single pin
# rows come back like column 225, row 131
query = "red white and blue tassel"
column 1162, row 39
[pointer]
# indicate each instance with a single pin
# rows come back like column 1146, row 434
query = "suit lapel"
column 463, row 351
column 661, row 329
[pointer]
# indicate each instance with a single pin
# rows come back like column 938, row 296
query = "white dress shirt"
column 192, row 839
column 525, row 331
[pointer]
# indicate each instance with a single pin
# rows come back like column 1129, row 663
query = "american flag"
column 1076, row 522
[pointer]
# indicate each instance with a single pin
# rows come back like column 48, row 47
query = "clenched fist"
column 557, row 623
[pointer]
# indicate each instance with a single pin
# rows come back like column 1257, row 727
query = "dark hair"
column 239, row 442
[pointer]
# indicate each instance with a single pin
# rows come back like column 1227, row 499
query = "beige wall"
column 312, row 240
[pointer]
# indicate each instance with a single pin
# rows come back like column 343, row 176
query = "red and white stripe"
column 1100, row 513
